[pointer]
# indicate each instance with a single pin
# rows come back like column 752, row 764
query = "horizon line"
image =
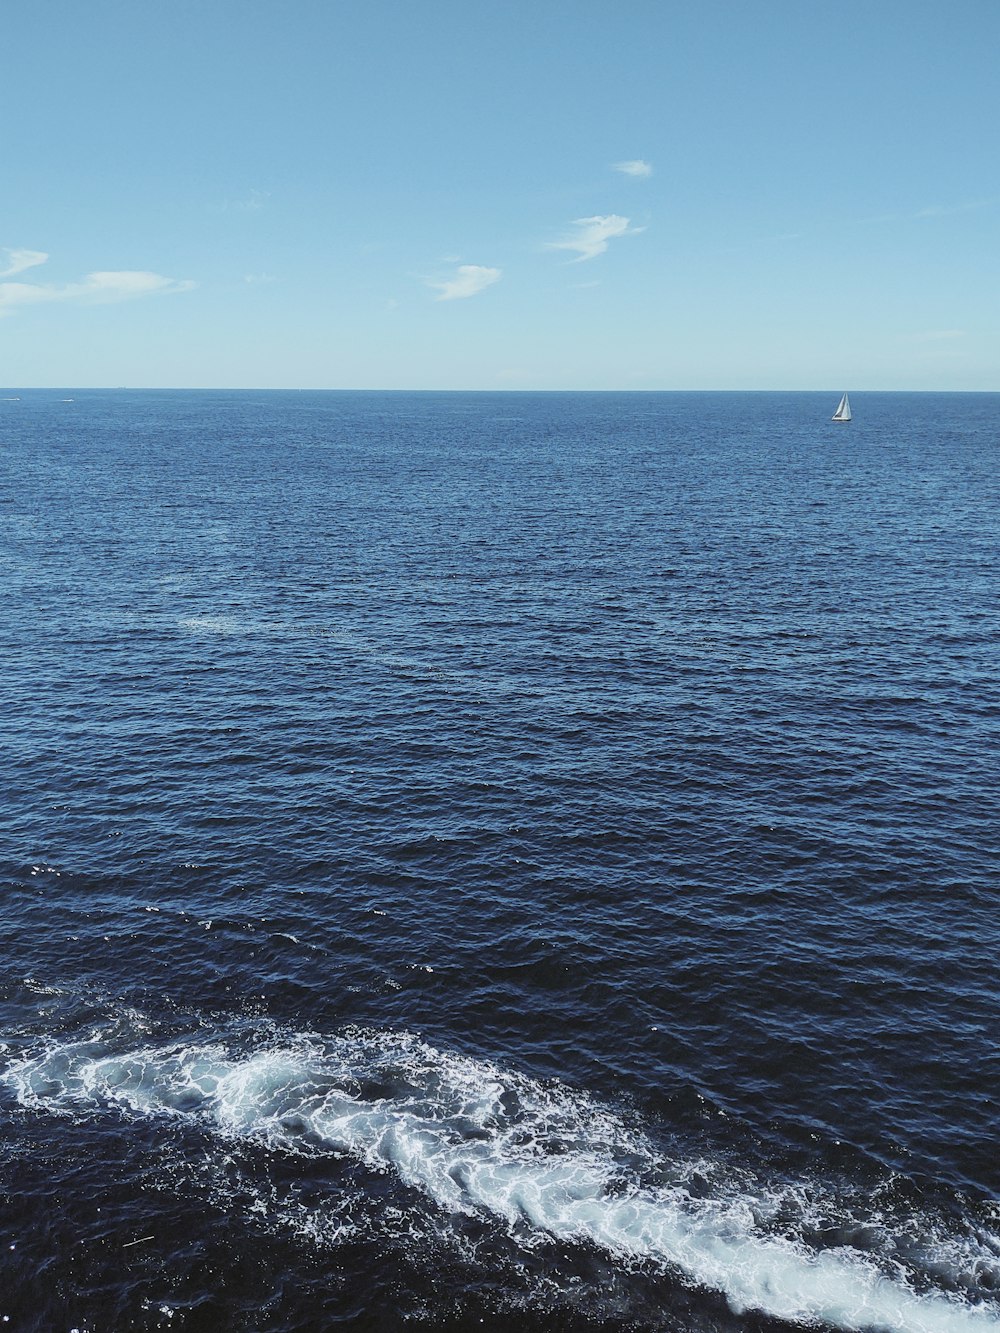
column 319, row 388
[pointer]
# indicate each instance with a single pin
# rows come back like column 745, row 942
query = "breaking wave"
column 541, row 1161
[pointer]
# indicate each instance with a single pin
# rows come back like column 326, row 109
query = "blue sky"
column 648, row 195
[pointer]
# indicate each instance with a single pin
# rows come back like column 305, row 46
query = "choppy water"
column 508, row 861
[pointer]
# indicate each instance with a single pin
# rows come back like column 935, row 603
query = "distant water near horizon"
column 499, row 861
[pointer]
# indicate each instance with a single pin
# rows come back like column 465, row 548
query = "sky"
column 500, row 194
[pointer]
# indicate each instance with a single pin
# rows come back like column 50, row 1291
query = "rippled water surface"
column 499, row 861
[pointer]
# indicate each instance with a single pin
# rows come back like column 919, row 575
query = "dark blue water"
column 499, row 861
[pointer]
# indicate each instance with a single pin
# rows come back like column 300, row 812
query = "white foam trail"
column 547, row 1163
column 210, row 624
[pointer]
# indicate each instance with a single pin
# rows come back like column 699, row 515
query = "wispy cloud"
column 949, row 210
column 468, row 280
column 931, row 211
column 258, row 279
column 252, row 202
column 634, row 167
column 99, row 288
column 593, row 234
column 18, row 260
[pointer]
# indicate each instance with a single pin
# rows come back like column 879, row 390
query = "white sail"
column 843, row 412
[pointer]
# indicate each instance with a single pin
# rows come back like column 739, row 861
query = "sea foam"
column 544, row 1162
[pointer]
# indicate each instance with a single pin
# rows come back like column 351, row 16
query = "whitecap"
column 210, row 624
column 544, row 1162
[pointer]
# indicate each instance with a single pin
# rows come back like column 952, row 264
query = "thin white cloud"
column 468, row 280
column 931, row 211
column 634, row 167
column 99, row 288
column 252, row 202
column 258, row 279
column 937, row 335
column 949, row 210
column 18, row 260
column 593, row 234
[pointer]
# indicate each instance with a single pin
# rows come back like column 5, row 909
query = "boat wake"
column 540, row 1161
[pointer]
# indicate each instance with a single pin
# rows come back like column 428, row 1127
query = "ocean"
column 499, row 862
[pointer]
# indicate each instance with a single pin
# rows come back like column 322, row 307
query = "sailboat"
column 843, row 412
